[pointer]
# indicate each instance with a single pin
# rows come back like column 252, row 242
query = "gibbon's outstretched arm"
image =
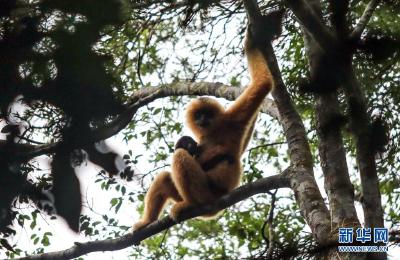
column 248, row 103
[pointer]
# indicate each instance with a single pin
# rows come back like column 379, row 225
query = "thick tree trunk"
column 303, row 184
column 360, row 127
column 302, row 181
column 332, row 154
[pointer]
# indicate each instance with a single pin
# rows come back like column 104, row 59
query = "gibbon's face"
column 203, row 115
column 204, row 118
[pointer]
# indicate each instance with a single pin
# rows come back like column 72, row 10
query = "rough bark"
column 331, row 142
column 332, row 154
column 360, row 126
column 303, row 183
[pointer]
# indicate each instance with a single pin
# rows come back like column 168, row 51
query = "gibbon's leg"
column 189, row 178
column 161, row 189
column 177, row 209
column 190, row 181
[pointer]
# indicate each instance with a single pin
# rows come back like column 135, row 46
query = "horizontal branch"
column 141, row 98
column 134, row 238
column 147, row 95
column 366, row 16
column 216, row 89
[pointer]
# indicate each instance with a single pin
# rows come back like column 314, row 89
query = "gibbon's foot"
column 177, row 209
column 140, row 224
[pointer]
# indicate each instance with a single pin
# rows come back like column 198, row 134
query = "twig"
column 265, row 145
column 366, row 16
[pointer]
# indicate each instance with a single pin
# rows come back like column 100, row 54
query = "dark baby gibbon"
column 189, row 144
column 211, row 168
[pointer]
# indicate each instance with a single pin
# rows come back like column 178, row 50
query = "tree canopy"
column 324, row 153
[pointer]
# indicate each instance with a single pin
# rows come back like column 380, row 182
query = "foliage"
column 55, row 87
column 70, row 66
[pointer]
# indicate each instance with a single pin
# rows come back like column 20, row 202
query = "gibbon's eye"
column 203, row 118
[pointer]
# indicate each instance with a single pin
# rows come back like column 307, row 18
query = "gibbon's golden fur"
column 222, row 135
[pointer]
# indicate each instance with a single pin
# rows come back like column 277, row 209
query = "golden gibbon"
column 205, row 170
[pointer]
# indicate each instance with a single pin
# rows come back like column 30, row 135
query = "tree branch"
column 303, row 184
column 293, row 127
column 313, row 24
column 252, row 10
column 366, row 16
column 360, row 127
column 134, row 238
column 339, row 9
column 216, row 89
column 332, row 154
column 141, row 98
column 302, row 180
